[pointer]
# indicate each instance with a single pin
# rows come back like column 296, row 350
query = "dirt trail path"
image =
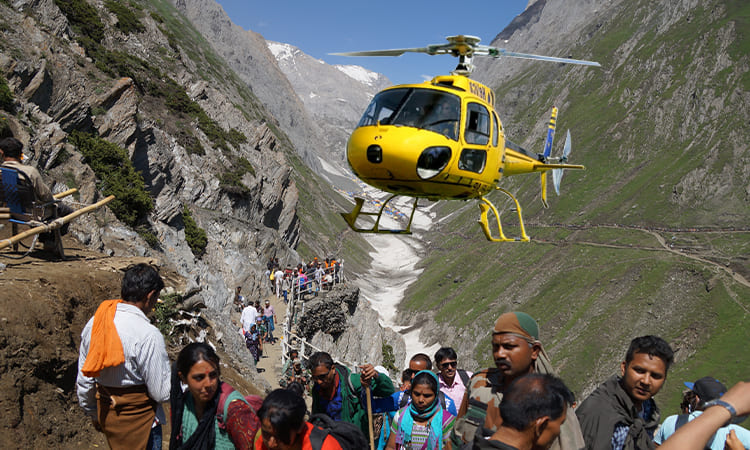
column 664, row 245
column 271, row 360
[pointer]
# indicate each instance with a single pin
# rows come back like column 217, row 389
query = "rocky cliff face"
column 60, row 87
column 344, row 325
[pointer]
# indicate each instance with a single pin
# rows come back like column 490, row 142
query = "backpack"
column 348, row 435
column 253, row 401
column 464, row 377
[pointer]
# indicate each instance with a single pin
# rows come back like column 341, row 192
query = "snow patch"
column 281, row 51
column 393, row 269
column 359, row 73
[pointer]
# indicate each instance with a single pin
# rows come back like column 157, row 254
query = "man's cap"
column 296, row 361
column 517, row 323
column 268, row 301
column 707, row 388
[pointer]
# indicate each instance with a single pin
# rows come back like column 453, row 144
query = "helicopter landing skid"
column 351, row 217
column 486, row 206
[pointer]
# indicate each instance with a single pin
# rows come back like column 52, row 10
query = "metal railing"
column 296, row 308
column 302, row 287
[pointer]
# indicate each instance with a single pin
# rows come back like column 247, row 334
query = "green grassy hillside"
column 651, row 237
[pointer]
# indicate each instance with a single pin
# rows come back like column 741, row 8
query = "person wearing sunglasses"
column 451, row 385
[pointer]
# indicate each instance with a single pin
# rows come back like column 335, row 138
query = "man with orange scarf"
column 123, row 367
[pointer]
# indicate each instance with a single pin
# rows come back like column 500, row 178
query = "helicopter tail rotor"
column 558, row 173
column 547, row 151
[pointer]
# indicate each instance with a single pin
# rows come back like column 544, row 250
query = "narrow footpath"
column 270, row 362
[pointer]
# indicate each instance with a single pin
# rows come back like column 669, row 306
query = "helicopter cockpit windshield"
column 427, row 109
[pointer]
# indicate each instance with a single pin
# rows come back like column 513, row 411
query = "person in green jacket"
column 336, row 390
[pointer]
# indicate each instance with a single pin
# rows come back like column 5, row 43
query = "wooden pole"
column 55, row 224
column 60, row 195
column 369, row 417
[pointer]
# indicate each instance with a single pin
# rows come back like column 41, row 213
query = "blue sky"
column 322, row 27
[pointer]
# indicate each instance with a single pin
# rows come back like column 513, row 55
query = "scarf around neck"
column 105, row 346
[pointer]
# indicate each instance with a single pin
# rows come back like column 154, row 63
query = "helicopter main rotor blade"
column 500, row 52
column 431, row 50
column 434, row 49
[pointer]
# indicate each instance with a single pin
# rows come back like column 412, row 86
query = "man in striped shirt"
column 123, row 367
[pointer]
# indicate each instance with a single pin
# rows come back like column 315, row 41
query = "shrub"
column 149, row 236
column 164, row 311
column 6, row 96
column 85, row 22
column 117, row 177
column 5, row 128
column 157, row 17
column 236, row 137
column 127, row 21
column 194, row 235
column 231, row 181
column 245, row 166
column 389, row 360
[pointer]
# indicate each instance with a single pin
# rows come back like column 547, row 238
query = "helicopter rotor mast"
column 465, row 47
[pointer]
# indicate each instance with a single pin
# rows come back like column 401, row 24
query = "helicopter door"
column 477, row 124
column 477, row 133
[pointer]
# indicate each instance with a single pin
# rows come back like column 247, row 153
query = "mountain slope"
column 247, row 54
column 335, row 96
column 652, row 237
column 130, row 97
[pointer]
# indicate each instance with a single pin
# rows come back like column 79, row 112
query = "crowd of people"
column 519, row 403
column 304, row 279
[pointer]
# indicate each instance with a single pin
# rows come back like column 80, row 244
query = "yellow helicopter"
column 443, row 140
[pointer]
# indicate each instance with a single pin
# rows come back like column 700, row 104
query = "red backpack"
column 253, row 401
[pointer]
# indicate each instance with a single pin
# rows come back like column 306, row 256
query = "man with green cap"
column 517, row 351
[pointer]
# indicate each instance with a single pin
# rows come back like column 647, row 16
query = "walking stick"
column 369, row 417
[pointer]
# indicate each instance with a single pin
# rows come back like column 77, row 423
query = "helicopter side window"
column 472, row 160
column 477, row 124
